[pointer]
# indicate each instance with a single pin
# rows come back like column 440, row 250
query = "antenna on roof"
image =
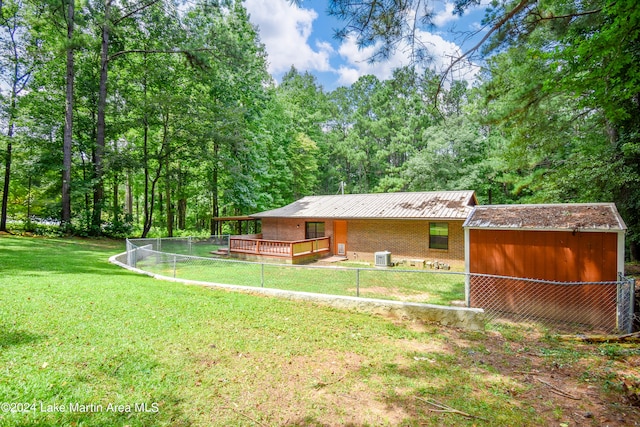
column 341, row 189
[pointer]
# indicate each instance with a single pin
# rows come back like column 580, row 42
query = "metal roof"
column 419, row 205
column 568, row 216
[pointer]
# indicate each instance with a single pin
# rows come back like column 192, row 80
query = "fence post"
column 174, row 266
column 262, row 275
column 467, row 289
column 130, row 261
column 632, row 303
column 625, row 306
column 189, row 240
column 357, row 282
column 621, row 309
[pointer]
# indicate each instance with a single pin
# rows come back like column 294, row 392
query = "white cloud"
column 357, row 62
column 285, row 30
column 443, row 52
column 445, row 16
column 348, row 75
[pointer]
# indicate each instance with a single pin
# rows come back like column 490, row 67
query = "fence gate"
column 626, row 303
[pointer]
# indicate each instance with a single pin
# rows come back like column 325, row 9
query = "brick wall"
column 290, row 229
column 405, row 239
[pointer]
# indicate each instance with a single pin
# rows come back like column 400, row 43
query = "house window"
column 314, row 230
column 438, row 235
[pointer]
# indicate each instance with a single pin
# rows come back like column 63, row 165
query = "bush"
column 119, row 230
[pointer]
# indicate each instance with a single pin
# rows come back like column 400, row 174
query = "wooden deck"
column 276, row 248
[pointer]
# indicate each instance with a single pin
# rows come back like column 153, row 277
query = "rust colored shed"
column 563, row 243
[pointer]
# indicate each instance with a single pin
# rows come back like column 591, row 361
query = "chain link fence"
column 170, row 257
column 566, row 307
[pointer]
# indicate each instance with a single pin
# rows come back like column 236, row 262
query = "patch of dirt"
column 570, row 384
column 632, row 269
column 393, row 293
column 389, row 381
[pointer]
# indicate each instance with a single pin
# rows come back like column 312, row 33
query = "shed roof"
column 568, row 216
column 418, row 205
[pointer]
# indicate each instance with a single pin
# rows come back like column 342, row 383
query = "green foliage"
column 564, row 95
column 453, row 151
column 196, row 129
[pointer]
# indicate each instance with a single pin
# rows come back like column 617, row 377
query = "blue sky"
column 303, row 37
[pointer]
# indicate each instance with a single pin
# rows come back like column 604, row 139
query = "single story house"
column 416, row 227
column 558, row 245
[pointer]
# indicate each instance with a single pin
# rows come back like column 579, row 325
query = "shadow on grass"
column 25, row 255
column 12, row 338
column 128, row 392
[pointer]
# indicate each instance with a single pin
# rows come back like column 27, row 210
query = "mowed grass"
column 85, row 343
column 395, row 284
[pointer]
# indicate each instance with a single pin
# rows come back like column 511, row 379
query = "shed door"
column 340, row 237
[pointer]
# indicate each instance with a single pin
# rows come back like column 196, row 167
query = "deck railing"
column 278, row 248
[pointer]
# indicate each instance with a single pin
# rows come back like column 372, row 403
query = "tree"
column 302, row 111
column 577, row 82
column 68, row 120
column 377, row 128
column 110, row 18
column 17, row 65
column 567, row 95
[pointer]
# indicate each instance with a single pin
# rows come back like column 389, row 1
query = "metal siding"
column 546, row 255
column 593, row 255
column 566, row 267
column 509, row 252
column 610, row 257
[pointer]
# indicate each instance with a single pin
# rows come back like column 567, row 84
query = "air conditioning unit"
column 383, row 259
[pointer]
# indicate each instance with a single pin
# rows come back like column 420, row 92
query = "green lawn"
column 85, row 343
column 396, row 284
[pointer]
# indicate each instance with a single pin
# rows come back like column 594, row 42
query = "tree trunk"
column 182, row 214
column 98, row 189
column 116, row 201
column 68, row 123
column 149, row 208
column 162, row 154
column 29, row 199
column 10, row 129
column 181, row 210
column 8, row 160
column 148, row 213
column 634, row 251
column 5, row 188
column 168, row 203
column 128, row 206
column 87, row 204
column 215, row 208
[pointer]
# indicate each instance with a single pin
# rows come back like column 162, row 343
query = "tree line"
column 139, row 117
